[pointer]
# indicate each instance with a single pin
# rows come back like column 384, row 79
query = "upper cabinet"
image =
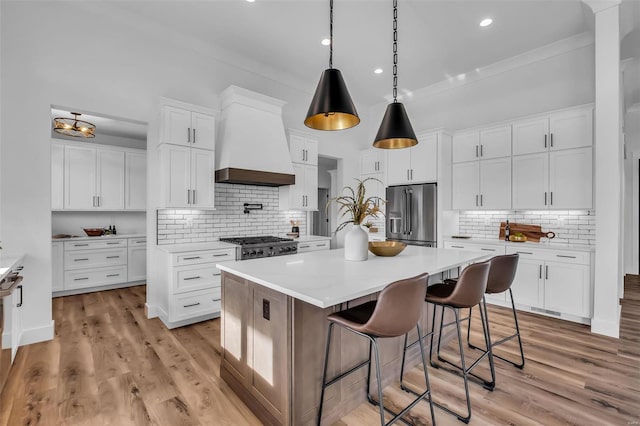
column 187, row 151
column 483, row 144
column 572, row 128
column 303, row 149
column 186, row 126
column 417, row 164
column 372, row 161
column 97, row 177
column 303, row 195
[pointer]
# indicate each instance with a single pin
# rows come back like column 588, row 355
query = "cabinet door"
column 57, row 176
column 527, row 285
column 202, row 178
column 80, row 178
column 530, row 136
column 495, row 184
column 297, row 191
column 466, row 146
column 176, row 174
column 137, row 263
column 110, row 182
column 371, row 161
column 297, row 146
column 398, row 165
column 567, row 288
column 495, row 142
column 424, row 160
column 465, row 186
column 176, row 126
column 531, row 181
column 57, row 266
column 571, row 179
column 311, row 187
column 203, row 128
column 136, row 181
column 571, row 129
column 312, row 152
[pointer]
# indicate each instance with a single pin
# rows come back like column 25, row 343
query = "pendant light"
column 395, row 130
column 74, row 126
column 331, row 107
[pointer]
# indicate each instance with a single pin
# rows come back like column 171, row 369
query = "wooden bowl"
column 93, row 232
column 386, row 248
column 517, row 238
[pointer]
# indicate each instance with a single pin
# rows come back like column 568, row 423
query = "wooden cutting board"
column 532, row 232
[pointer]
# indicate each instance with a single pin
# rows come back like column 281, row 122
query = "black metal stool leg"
column 487, row 339
column 515, row 319
column 426, row 373
column 324, row 371
column 404, row 355
column 379, row 380
column 440, row 335
column 433, row 330
column 469, row 327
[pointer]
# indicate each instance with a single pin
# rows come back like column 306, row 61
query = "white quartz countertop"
column 311, row 238
column 102, row 237
column 8, row 262
column 547, row 244
column 324, row 278
column 180, row 248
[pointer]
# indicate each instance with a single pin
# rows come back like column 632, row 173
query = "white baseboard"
column 151, row 311
column 606, row 327
column 37, row 334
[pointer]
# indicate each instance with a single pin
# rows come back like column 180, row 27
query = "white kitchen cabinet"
column 303, row 195
column 527, row 285
column 555, row 180
column 303, row 149
column 187, row 176
column 57, row 262
column 466, row 146
column 315, row 245
column 484, row 184
column 417, row 164
column 57, row 176
column 136, row 259
column 567, row 288
column 135, row 178
column 184, row 125
column 372, row 161
column 110, row 184
column 566, row 129
column 487, row 143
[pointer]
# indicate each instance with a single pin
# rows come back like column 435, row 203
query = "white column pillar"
column 608, row 169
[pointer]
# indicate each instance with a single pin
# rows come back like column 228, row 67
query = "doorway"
column 320, row 217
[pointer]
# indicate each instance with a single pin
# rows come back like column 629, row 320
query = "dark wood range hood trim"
column 254, row 177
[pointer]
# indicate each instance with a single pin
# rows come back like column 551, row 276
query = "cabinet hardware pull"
column 481, row 150
column 193, row 196
column 567, row 256
column 321, row 245
column 545, row 141
column 80, row 245
column 487, row 249
column 192, row 278
column 19, row 304
column 194, row 135
column 189, row 134
column 524, row 252
column 191, row 305
column 545, row 198
column 411, row 174
column 551, row 197
column 113, row 257
column 551, row 140
column 457, row 247
column 304, row 246
column 113, row 243
column 216, row 300
column 540, row 272
column 476, row 200
column 476, row 150
column 546, row 272
column 188, row 196
column 220, row 255
column 80, row 279
column 98, row 197
column 78, row 260
column 481, row 200
column 192, row 258
column 140, row 242
column 408, row 174
column 113, row 275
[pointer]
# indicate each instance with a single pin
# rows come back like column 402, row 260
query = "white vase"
column 356, row 244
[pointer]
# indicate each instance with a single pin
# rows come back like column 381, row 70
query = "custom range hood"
column 252, row 149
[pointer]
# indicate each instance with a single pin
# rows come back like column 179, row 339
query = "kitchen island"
column 274, row 324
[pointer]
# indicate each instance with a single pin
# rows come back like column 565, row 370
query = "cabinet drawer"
column 137, row 242
column 313, row 246
column 577, row 257
column 90, row 245
column 194, row 278
column 204, row 256
column 94, row 258
column 485, row 248
column 94, row 277
column 195, row 304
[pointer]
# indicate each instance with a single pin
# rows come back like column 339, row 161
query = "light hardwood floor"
column 109, row 365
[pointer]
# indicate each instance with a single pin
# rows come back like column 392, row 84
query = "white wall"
column 124, row 66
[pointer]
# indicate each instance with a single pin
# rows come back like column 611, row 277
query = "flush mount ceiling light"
column 486, row 22
column 331, row 107
column 378, row 71
column 395, row 131
column 325, row 42
column 74, row 126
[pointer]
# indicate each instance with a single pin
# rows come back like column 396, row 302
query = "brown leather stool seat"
column 396, row 312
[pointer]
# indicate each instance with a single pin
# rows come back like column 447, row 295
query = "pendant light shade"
column 395, row 130
column 331, row 107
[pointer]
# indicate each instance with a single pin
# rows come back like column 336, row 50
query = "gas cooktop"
column 266, row 239
column 262, row 246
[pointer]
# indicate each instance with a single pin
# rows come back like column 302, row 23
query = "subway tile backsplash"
column 229, row 219
column 571, row 227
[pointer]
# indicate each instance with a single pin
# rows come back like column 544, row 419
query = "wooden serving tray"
column 532, row 232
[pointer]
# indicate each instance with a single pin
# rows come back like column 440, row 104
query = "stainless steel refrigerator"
column 411, row 214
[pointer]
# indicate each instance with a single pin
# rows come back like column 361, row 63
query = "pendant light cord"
column 395, row 50
column 330, row 33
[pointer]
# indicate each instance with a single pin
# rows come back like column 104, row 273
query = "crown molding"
column 598, row 6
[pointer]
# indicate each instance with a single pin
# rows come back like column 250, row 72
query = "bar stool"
column 394, row 314
column 501, row 274
column 468, row 291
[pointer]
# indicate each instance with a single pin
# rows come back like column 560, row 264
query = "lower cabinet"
column 137, row 259
column 191, row 285
column 315, row 245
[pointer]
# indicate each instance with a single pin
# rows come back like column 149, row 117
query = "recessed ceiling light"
column 486, row 22
column 325, row 42
column 378, row 71
column 250, row 1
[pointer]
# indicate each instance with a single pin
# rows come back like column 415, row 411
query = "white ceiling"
column 437, row 39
